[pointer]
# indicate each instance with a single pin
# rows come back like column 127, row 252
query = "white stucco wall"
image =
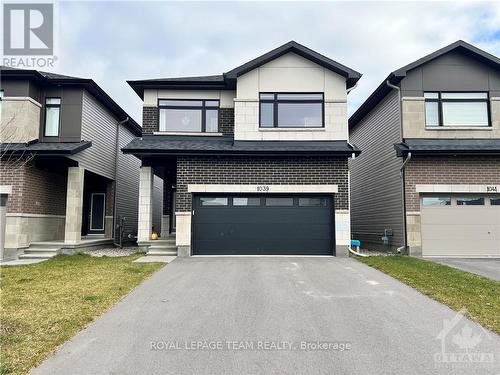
column 290, row 73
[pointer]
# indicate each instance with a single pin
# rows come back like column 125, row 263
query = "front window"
column 280, row 110
column 189, row 115
column 52, row 115
column 469, row 109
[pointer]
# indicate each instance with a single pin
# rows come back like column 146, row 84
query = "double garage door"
column 263, row 225
column 460, row 225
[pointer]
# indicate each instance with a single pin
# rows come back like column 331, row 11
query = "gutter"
column 117, row 158
column 401, row 171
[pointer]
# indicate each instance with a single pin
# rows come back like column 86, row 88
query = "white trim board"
column 485, row 189
column 262, row 188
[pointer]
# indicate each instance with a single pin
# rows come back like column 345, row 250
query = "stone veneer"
column 414, row 122
column 246, row 122
column 74, row 205
column 145, row 223
column 20, row 121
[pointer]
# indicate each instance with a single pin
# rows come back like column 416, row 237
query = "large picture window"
column 456, row 109
column 52, row 116
column 189, row 115
column 280, row 110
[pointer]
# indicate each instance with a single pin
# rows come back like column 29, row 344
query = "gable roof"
column 46, row 78
column 227, row 80
column 396, row 76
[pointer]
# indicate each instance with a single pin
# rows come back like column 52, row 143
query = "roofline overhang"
column 86, row 83
column 228, row 81
column 74, row 151
column 148, row 153
column 402, row 150
column 396, row 76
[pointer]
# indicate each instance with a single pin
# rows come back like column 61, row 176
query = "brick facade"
column 149, row 120
column 448, row 170
column 34, row 190
column 226, row 121
column 261, row 170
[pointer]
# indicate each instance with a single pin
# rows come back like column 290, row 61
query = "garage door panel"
column 463, row 248
column 461, row 231
column 263, row 230
column 457, row 215
column 271, row 247
column 268, row 230
column 467, row 231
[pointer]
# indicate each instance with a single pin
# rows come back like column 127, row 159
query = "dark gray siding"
column 99, row 127
column 451, row 72
column 127, row 197
column 71, row 113
column 376, row 186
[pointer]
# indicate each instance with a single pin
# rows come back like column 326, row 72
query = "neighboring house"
column 254, row 161
column 429, row 175
column 63, row 179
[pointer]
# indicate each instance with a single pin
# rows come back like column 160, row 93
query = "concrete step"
column 38, row 255
column 46, row 245
column 162, row 252
column 37, row 249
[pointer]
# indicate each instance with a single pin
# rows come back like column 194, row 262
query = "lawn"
column 457, row 289
column 45, row 304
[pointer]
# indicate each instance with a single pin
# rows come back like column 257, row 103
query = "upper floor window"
column 456, row 109
column 52, row 116
column 280, row 110
column 189, row 115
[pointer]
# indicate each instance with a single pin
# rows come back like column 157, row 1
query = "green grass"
column 457, row 289
column 45, row 304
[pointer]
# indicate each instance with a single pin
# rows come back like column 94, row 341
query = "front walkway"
column 280, row 315
column 484, row 267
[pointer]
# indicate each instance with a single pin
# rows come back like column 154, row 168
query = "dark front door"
column 97, row 212
column 263, row 225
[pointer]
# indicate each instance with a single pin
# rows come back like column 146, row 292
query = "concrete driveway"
column 266, row 316
column 485, row 267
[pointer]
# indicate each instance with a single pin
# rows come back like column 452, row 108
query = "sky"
column 112, row 42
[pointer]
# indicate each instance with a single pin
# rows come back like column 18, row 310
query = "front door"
column 97, row 212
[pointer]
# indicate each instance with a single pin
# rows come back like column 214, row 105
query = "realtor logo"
column 28, row 29
column 461, row 345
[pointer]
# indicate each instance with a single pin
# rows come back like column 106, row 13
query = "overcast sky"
column 112, row 42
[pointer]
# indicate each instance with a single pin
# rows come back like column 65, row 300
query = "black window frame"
column 45, row 116
column 203, row 110
column 275, row 101
column 440, row 101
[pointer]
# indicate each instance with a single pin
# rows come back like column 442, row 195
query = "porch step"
column 165, row 247
column 38, row 254
column 162, row 252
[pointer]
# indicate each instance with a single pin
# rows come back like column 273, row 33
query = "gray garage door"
column 461, row 225
column 263, row 225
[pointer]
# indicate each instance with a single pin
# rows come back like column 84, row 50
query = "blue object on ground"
column 356, row 243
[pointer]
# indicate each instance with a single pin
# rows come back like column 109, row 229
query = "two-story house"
column 254, row 161
column 64, row 182
column 428, row 179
